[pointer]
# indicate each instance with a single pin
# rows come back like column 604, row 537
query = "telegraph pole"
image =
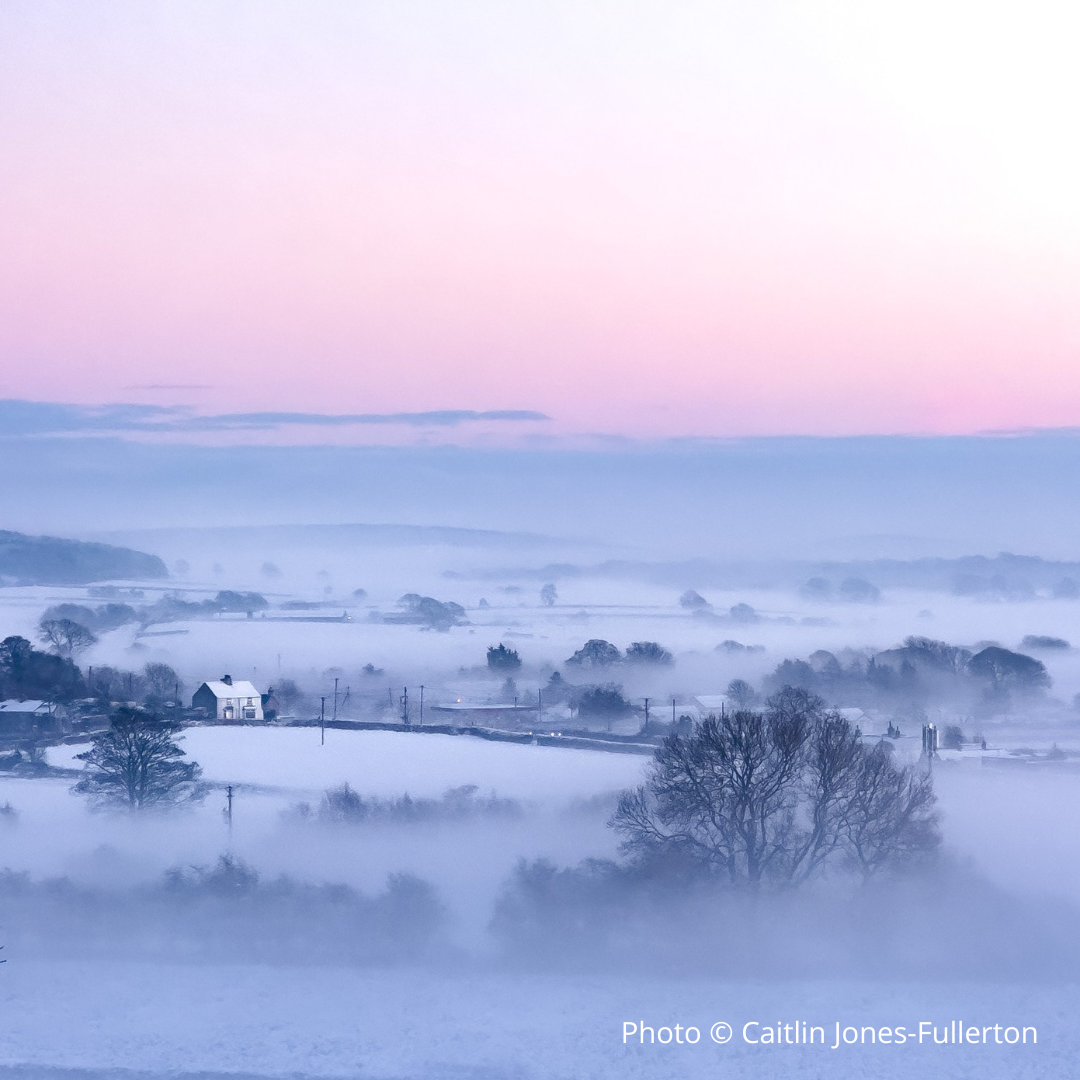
column 335, row 696
column 930, row 744
column 645, row 729
column 405, row 707
column 322, row 721
column 421, row 704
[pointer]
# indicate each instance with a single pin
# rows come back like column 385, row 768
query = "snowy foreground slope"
column 76, row 1020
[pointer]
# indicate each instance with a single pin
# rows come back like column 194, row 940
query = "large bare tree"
column 778, row 796
column 136, row 765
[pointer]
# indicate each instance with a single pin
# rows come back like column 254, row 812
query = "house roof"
column 31, row 705
column 238, row 688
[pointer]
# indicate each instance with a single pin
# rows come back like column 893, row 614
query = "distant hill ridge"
column 50, row 560
column 966, row 575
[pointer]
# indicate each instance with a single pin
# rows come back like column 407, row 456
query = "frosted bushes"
column 342, row 805
column 225, row 912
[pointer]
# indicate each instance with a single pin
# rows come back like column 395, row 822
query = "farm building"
column 466, row 713
column 23, row 717
column 229, row 699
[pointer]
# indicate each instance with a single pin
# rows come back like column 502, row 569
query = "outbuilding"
column 23, row 717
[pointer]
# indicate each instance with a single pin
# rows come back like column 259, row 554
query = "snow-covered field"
column 77, row 1021
column 390, row 763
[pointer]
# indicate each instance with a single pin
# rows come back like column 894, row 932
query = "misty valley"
column 430, row 780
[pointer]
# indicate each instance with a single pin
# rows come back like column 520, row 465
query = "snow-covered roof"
column 853, row 716
column 711, row 701
column 465, row 706
column 237, row 688
column 29, row 706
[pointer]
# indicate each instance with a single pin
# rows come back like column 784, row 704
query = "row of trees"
column 70, row 628
column 595, row 653
column 29, row 673
column 918, row 670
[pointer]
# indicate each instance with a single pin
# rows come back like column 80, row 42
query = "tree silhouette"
column 648, row 652
column 26, row 672
column 502, row 659
column 778, row 796
column 596, row 653
column 136, row 765
column 692, row 600
column 65, row 636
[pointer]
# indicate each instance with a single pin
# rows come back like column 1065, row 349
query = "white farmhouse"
column 229, row 699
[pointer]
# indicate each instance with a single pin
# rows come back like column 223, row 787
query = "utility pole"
column 322, row 721
column 930, row 744
column 645, row 729
column 421, row 704
column 405, row 707
column 335, row 696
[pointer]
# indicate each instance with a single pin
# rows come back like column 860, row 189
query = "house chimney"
column 227, row 680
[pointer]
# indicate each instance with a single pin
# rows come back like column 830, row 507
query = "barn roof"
column 31, row 705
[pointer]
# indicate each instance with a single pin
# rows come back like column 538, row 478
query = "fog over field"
column 390, row 901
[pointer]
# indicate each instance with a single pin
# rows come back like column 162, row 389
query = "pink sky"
column 678, row 218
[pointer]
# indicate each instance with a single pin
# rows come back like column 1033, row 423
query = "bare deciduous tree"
column 778, row 796
column 890, row 815
column 741, row 694
column 65, row 636
column 162, row 681
column 136, row 765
